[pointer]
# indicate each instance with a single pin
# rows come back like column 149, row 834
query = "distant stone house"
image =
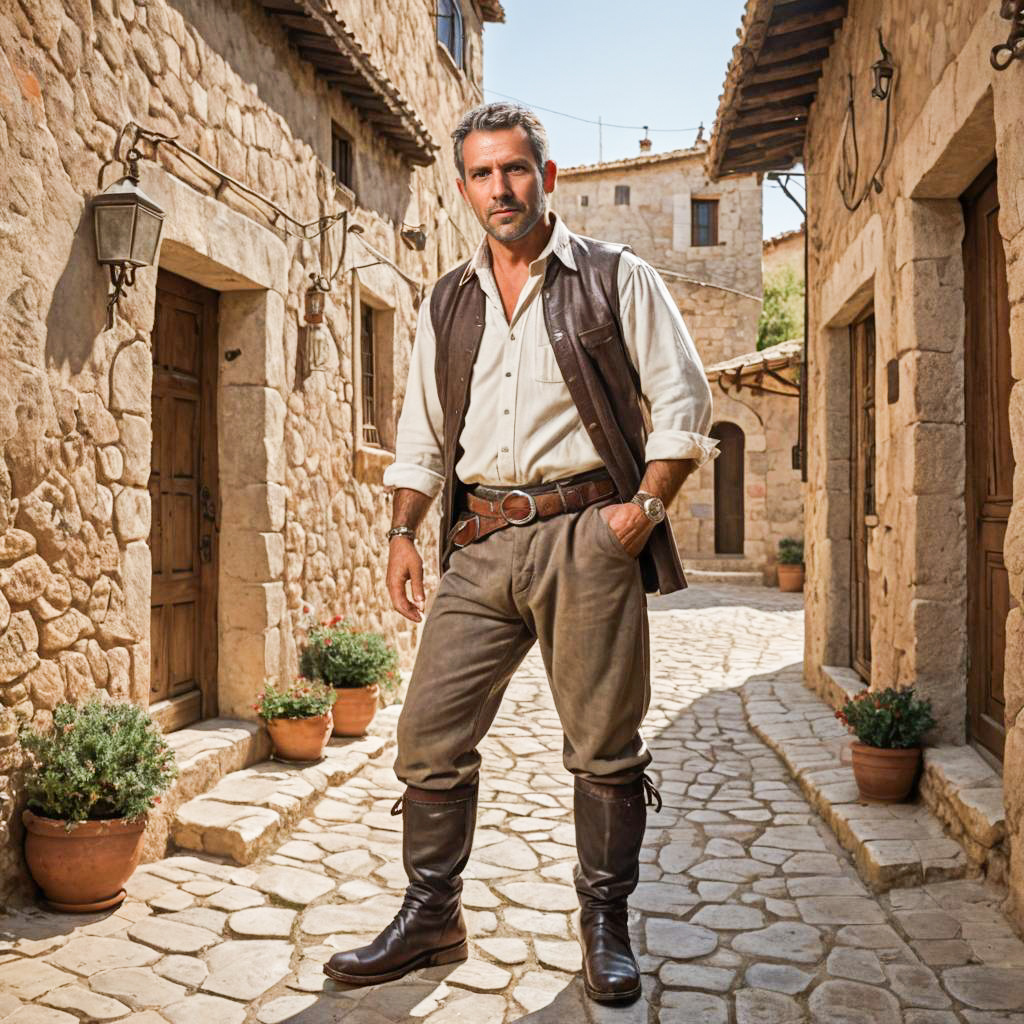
column 177, row 489
column 913, row 145
column 784, row 250
column 705, row 239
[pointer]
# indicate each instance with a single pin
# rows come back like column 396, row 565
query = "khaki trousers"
column 566, row 582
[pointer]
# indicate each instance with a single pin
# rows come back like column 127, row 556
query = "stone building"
column 913, row 145
column 177, row 490
column 705, row 239
column 784, row 250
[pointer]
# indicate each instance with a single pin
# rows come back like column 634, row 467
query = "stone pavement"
column 748, row 912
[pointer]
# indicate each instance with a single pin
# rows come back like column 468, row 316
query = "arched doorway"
column 729, row 520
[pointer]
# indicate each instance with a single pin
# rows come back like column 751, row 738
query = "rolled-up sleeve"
column 419, row 461
column 671, row 374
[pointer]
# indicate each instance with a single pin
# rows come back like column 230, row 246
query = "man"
column 536, row 369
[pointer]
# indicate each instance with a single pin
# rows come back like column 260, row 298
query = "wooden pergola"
column 771, row 83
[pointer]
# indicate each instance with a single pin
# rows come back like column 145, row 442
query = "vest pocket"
column 594, row 337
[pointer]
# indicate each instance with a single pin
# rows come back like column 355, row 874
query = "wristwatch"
column 654, row 508
column 401, row 531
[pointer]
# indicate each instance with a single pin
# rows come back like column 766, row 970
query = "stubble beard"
column 519, row 228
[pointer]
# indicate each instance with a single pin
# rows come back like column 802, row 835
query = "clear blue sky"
column 654, row 62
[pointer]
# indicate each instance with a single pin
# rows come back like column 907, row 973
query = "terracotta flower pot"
column 83, row 870
column 300, row 739
column 791, row 578
column 354, row 709
column 885, row 776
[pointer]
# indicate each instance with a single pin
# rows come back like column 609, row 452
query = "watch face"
column 655, row 509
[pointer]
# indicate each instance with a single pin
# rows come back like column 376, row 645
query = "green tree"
column 782, row 314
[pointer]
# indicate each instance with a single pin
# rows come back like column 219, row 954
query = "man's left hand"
column 629, row 523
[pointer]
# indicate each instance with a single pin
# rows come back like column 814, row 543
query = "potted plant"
column 791, row 565
column 298, row 718
column 90, row 781
column 356, row 663
column 889, row 725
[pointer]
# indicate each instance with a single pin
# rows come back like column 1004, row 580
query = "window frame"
column 708, row 202
column 341, row 138
column 622, row 195
column 368, row 425
column 457, row 34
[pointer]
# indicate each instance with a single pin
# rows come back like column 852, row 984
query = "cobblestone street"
column 747, row 912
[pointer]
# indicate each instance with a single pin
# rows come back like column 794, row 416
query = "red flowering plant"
column 305, row 698
column 344, row 657
column 891, row 719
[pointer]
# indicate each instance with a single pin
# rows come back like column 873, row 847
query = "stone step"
column 840, row 684
column 966, row 792
column 893, row 845
column 720, row 563
column 248, row 810
column 742, row 579
column 205, row 753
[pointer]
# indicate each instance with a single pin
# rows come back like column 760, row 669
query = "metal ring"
column 458, row 530
column 529, row 518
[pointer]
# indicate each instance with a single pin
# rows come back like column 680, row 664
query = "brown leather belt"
column 519, row 507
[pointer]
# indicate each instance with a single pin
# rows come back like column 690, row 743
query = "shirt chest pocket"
column 545, row 365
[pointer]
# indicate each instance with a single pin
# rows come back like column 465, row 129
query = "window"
column 450, row 33
column 622, row 195
column 341, row 156
column 369, row 372
column 584, row 200
column 704, row 222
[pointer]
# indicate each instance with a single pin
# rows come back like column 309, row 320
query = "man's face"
column 503, row 184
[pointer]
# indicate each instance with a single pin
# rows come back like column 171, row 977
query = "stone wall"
column 772, row 494
column 302, row 507
column 785, row 250
column 901, row 251
column 656, row 224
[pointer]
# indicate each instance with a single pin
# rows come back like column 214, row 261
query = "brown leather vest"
column 581, row 311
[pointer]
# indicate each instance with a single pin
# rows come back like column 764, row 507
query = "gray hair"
column 497, row 117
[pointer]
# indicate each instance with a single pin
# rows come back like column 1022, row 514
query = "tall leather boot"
column 610, row 822
column 429, row 929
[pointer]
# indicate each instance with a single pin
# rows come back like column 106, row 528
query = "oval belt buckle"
column 528, row 518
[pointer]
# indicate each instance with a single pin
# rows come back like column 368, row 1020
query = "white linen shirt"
column 521, row 426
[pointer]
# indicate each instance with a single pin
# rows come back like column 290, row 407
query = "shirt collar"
column 558, row 244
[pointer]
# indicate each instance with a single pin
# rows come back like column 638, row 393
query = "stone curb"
column 248, row 810
column 893, row 845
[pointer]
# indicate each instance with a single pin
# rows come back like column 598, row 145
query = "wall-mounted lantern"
column 882, row 71
column 316, row 298
column 128, row 227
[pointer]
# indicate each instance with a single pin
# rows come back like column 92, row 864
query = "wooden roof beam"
column 810, row 65
column 761, row 155
column 765, row 114
column 811, row 19
column 785, row 51
column 761, row 96
column 760, row 133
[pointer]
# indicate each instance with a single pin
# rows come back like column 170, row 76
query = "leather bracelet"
column 401, row 531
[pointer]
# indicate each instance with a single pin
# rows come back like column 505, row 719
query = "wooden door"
column 183, row 488
column 729, row 522
column 862, row 487
column 989, row 460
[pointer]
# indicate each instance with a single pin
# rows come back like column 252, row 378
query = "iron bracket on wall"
column 1006, row 53
column 849, row 170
